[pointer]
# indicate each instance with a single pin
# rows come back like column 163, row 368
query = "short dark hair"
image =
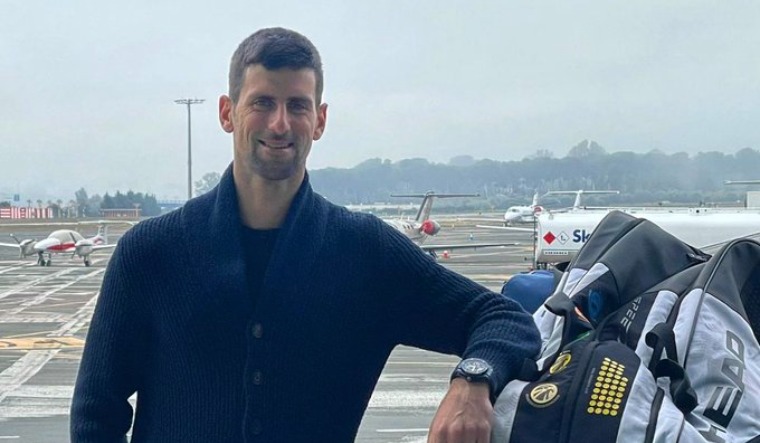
column 274, row 48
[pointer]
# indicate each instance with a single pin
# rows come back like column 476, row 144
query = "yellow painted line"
column 40, row 343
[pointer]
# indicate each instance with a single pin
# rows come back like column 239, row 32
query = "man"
column 260, row 312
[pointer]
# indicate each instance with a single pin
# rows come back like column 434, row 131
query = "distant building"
column 15, row 212
column 120, row 213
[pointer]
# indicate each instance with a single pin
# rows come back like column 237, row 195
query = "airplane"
column 559, row 237
column 526, row 214
column 522, row 214
column 63, row 241
column 423, row 227
column 741, row 182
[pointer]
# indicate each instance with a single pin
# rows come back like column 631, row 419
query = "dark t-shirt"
column 258, row 245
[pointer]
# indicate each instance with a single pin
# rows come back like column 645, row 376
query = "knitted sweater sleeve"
column 437, row 309
column 108, row 376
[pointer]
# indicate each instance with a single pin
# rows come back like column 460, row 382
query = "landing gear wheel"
column 87, row 262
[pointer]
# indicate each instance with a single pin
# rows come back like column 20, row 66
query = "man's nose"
column 278, row 120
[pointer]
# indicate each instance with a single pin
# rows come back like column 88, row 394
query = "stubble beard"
column 273, row 169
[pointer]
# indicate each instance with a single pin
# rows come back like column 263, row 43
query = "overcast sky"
column 87, row 88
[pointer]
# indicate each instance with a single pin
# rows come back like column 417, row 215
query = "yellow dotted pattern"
column 609, row 389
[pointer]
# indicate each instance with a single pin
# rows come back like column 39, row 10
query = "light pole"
column 189, row 102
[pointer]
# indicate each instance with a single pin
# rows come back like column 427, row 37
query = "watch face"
column 474, row 366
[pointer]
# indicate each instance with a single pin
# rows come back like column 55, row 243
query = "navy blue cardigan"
column 175, row 323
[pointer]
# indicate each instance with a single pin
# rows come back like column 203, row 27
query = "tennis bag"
column 644, row 339
column 712, row 334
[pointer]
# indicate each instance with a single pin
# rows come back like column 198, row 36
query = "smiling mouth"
column 276, row 145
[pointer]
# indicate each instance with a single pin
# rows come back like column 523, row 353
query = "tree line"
column 642, row 179
column 650, row 178
column 83, row 205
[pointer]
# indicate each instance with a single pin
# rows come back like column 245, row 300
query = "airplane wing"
column 11, row 245
column 433, row 248
column 506, row 228
column 99, row 247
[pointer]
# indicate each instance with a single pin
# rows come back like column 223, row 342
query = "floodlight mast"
column 189, row 102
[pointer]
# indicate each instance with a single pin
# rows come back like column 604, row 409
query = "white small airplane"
column 522, row 214
column 423, row 227
column 527, row 214
column 62, row 241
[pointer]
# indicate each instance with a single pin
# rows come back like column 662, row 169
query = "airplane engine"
column 430, row 227
column 83, row 248
column 26, row 247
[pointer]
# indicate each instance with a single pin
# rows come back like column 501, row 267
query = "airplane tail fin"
column 103, row 232
column 577, row 202
column 425, row 207
column 427, row 202
column 579, row 195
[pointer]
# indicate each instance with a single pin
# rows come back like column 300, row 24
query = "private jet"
column 527, row 214
column 522, row 214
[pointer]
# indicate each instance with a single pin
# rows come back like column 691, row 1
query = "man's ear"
column 321, row 121
column 225, row 113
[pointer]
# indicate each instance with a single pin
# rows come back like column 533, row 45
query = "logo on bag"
column 561, row 363
column 610, row 387
column 543, row 395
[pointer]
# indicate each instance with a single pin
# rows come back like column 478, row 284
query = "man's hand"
column 464, row 415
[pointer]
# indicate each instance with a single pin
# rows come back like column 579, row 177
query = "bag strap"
column 684, row 396
column 662, row 338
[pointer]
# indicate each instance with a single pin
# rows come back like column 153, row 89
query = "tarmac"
column 45, row 314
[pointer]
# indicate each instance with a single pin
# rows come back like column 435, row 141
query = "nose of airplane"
column 511, row 216
column 44, row 245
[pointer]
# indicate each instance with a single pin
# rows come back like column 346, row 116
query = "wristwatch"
column 476, row 370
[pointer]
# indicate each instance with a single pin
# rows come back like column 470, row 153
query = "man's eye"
column 262, row 104
column 298, row 107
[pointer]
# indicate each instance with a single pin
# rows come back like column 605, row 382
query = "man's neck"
column 263, row 204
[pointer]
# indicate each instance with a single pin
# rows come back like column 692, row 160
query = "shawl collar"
column 212, row 226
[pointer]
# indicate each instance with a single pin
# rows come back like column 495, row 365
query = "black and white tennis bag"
column 645, row 339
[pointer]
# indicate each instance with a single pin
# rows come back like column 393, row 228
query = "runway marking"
column 406, row 399
column 401, row 430
column 42, row 297
column 35, row 282
column 40, row 343
column 30, row 317
column 13, row 268
column 27, row 366
column 45, row 391
column 421, row 363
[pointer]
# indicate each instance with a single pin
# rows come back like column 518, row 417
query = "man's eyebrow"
column 301, row 99
column 254, row 97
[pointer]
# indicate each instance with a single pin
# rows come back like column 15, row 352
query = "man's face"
column 274, row 122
